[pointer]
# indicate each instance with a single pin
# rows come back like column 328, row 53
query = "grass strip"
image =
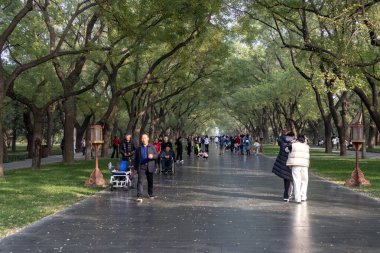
column 339, row 170
column 27, row 196
column 272, row 150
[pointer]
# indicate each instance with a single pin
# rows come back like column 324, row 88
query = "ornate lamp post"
column 357, row 138
column 96, row 178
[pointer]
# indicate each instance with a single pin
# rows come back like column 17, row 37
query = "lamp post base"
column 96, row 179
column 357, row 179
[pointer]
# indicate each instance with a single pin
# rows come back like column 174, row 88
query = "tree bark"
column 2, row 148
column 49, row 132
column 106, row 138
column 69, row 109
column 14, row 138
column 88, row 144
column 38, row 125
column 340, row 124
column 372, row 134
column 81, row 130
column 364, row 144
column 370, row 104
column 28, row 132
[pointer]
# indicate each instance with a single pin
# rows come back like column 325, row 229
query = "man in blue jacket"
column 145, row 157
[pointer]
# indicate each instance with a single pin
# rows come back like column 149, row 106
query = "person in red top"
column 237, row 143
column 115, row 146
column 157, row 145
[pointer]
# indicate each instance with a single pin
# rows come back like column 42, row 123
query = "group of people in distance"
column 239, row 143
column 292, row 166
column 200, row 145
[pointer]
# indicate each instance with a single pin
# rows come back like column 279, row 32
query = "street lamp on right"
column 357, row 138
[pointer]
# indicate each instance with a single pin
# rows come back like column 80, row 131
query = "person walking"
column 279, row 168
column 115, row 146
column 157, row 145
column 242, row 140
column 145, row 157
column 222, row 142
column 83, row 146
column 179, row 148
column 298, row 162
column 196, row 146
column 256, row 145
column 207, row 142
column 127, row 149
column 216, row 141
column 188, row 147
column 247, row 145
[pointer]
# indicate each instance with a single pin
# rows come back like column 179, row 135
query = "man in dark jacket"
column 127, row 148
column 279, row 167
column 145, row 157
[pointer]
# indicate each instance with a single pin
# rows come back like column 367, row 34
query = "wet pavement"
column 224, row 204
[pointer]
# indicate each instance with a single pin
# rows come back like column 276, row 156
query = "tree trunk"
column 115, row 129
column 28, row 132
column 328, row 135
column 14, row 138
column 38, row 125
column 314, row 127
column 88, row 144
column 340, row 123
column 2, row 94
column 69, row 109
column 49, row 132
column 372, row 134
column 5, row 151
column 106, row 138
column 15, row 126
column 342, row 130
column 80, row 131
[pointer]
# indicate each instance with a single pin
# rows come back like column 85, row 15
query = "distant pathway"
column 226, row 204
column 28, row 162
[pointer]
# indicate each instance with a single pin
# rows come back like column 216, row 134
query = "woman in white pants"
column 299, row 161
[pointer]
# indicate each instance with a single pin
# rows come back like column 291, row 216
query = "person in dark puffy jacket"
column 127, row 148
column 280, row 168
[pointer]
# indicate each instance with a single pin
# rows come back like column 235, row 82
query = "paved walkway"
column 48, row 160
column 225, row 204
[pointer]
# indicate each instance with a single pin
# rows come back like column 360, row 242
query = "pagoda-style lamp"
column 357, row 138
column 96, row 178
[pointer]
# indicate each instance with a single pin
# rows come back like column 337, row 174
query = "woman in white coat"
column 299, row 161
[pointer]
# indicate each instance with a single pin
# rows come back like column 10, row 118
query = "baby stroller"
column 167, row 166
column 120, row 178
